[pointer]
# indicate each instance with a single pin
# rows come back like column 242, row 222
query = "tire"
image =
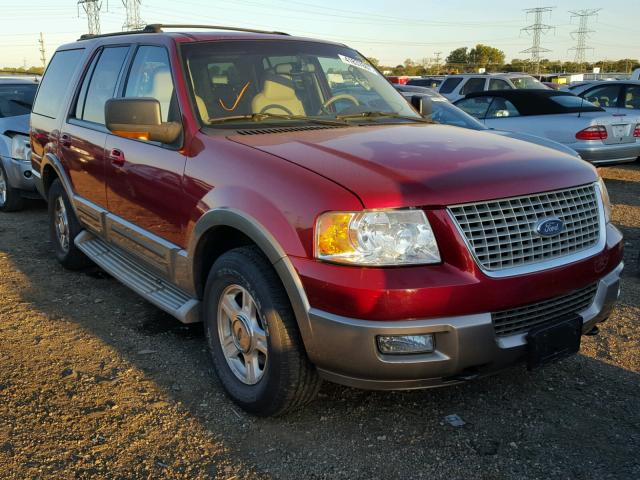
column 288, row 380
column 66, row 251
column 10, row 198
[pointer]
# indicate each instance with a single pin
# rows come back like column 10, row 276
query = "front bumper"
column 466, row 346
column 601, row 153
column 19, row 174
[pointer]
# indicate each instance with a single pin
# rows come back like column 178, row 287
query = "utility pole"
column 134, row 22
column 92, row 9
column 437, row 60
column 536, row 30
column 582, row 33
column 43, row 57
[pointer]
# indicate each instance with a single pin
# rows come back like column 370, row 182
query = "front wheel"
column 253, row 336
column 10, row 198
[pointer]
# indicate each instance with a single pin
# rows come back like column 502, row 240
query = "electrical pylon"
column 92, row 9
column 134, row 22
column 582, row 33
column 536, row 30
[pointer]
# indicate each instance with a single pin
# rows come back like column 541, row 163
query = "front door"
column 144, row 179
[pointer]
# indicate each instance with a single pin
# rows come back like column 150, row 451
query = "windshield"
column 16, row 99
column 527, row 82
column 276, row 81
column 444, row 112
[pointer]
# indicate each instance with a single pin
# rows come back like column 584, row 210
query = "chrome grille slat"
column 501, row 233
column 522, row 319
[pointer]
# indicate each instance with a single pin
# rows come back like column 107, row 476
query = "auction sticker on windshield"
column 357, row 63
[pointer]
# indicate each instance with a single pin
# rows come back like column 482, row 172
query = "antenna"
column 537, row 29
column 43, row 57
column 92, row 9
column 582, row 33
column 134, row 22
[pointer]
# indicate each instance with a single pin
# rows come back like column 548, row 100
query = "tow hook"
column 594, row 331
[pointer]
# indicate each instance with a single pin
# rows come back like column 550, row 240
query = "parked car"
column 596, row 135
column 16, row 183
column 455, row 87
column 317, row 235
column 408, row 91
column 620, row 97
column 431, row 82
column 442, row 111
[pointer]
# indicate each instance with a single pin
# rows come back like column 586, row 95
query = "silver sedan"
column 598, row 136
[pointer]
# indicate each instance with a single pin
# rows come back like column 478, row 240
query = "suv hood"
column 424, row 165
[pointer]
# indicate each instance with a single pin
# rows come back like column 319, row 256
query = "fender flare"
column 283, row 266
column 51, row 160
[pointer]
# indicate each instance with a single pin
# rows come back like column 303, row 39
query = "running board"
column 140, row 279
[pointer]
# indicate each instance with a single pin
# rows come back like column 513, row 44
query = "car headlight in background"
column 606, row 202
column 20, row 147
column 376, row 238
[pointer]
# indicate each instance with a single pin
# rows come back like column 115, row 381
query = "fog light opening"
column 406, row 344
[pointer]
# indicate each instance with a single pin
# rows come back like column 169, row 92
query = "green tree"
column 458, row 56
column 484, row 55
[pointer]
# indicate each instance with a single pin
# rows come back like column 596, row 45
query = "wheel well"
column 214, row 243
column 48, row 176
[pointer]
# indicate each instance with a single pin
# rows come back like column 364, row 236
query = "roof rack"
column 158, row 28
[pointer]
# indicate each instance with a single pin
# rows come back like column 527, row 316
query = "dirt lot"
column 96, row 383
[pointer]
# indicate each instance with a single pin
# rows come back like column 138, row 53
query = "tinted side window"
column 476, row 106
column 150, row 77
column 82, row 96
column 450, row 84
column 103, row 81
column 497, row 84
column 603, row 96
column 56, row 80
column 473, row 85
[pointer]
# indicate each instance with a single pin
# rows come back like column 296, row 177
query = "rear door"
column 144, row 179
column 83, row 134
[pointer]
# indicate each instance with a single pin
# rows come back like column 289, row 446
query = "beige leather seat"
column 278, row 97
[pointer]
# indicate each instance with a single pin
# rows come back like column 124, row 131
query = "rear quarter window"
column 473, row 85
column 450, row 84
column 56, row 81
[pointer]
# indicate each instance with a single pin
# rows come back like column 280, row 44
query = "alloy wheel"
column 242, row 334
column 61, row 223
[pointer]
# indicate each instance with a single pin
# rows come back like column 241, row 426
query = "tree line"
column 22, row 70
column 465, row 59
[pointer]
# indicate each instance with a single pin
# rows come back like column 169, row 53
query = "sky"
column 389, row 31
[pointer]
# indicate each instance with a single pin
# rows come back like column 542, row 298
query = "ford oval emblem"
column 549, row 227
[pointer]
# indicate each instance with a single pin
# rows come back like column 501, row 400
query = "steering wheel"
column 277, row 107
column 340, row 96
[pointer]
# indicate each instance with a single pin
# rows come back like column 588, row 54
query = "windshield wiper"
column 372, row 114
column 258, row 117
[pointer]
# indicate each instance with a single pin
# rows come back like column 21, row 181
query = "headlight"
column 376, row 237
column 20, row 147
column 605, row 200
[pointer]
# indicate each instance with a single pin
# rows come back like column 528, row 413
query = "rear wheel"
column 253, row 336
column 63, row 228
column 10, row 198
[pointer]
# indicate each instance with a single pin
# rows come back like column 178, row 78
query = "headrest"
column 162, row 84
column 276, row 87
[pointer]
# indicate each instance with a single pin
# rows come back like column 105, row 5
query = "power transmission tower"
column 537, row 29
column 92, row 9
column 43, row 57
column 134, row 22
column 582, row 33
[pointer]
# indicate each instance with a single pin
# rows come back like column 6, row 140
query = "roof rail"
column 157, row 28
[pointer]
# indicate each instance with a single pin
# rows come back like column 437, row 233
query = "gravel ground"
column 97, row 383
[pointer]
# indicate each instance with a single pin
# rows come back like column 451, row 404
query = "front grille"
column 502, row 235
column 522, row 319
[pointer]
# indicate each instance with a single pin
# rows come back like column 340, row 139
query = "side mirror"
column 139, row 118
column 422, row 104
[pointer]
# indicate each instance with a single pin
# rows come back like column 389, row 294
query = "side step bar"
column 140, row 279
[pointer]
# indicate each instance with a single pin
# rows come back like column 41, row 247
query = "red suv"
column 281, row 191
